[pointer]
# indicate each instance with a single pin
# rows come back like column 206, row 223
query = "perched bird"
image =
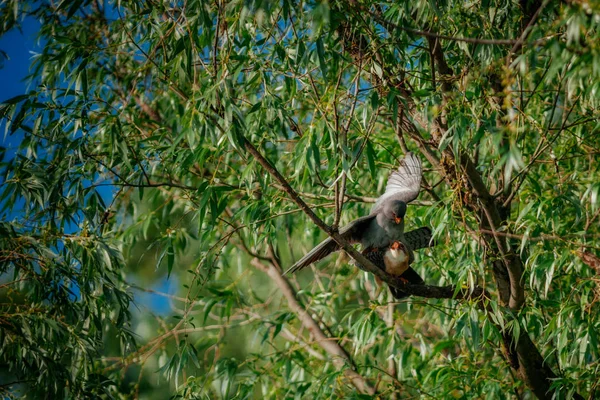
column 395, row 259
column 385, row 223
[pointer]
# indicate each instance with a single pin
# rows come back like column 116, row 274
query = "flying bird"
column 385, row 223
column 395, row 259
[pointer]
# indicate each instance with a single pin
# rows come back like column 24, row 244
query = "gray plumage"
column 385, row 223
column 403, row 184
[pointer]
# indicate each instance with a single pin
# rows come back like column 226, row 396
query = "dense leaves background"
column 142, row 244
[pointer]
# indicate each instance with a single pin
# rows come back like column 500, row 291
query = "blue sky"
column 19, row 46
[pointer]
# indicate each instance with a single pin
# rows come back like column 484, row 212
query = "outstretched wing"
column 352, row 232
column 403, row 184
column 419, row 238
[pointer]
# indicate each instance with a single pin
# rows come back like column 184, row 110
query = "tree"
column 206, row 145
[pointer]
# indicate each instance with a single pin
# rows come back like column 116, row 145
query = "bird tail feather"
column 419, row 238
column 319, row 252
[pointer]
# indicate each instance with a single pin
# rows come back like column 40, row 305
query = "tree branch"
column 308, row 211
column 476, row 293
column 341, row 358
column 464, row 177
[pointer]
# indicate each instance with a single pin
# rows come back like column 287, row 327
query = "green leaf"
column 74, row 7
column 16, row 99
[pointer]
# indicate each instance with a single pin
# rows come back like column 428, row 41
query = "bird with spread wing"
column 385, row 224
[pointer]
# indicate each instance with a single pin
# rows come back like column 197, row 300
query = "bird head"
column 398, row 246
column 398, row 251
column 395, row 210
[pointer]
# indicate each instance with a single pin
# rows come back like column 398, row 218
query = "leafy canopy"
column 142, row 244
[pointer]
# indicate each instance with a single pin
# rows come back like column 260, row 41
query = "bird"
column 385, row 223
column 395, row 259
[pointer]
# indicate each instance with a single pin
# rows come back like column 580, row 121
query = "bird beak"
column 397, row 220
column 395, row 246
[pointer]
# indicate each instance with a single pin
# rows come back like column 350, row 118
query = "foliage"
column 132, row 180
